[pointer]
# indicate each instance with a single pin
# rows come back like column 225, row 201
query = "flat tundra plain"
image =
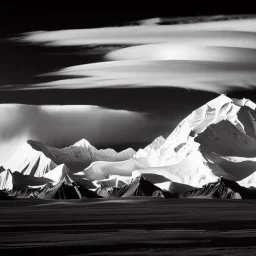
column 128, row 226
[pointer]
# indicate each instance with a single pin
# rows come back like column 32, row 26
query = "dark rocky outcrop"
column 214, row 190
column 246, row 193
column 65, row 189
column 139, row 186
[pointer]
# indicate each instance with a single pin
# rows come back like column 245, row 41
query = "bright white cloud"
column 200, row 75
column 185, row 51
column 211, row 56
column 225, row 30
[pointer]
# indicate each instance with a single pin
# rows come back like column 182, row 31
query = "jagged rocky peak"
column 137, row 186
column 245, row 193
column 216, row 189
column 64, row 189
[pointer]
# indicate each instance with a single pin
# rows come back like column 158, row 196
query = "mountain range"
column 211, row 153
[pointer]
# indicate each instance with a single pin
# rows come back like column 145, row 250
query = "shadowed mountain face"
column 73, row 191
column 139, row 186
column 6, row 180
column 21, row 181
column 245, row 193
column 65, row 189
column 68, row 189
column 213, row 190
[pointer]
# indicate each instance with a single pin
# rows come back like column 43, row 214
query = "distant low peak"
column 82, row 143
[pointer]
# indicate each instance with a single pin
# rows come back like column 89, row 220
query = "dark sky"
column 16, row 17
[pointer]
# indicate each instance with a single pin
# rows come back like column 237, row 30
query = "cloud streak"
column 143, row 34
column 198, row 75
column 216, row 56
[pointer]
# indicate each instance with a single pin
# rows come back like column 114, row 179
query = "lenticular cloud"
column 214, row 54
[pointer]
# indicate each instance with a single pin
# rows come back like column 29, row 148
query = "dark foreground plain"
column 128, row 226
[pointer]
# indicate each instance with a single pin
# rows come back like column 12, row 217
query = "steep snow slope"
column 214, row 111
column 30, row 162
column 154, row 146
column 149, row 156
column 29, row 167
column 225, row 139
column 194, row 170
column 102, row 170
column 6, row 180
column 57, row 174
column 218, row 139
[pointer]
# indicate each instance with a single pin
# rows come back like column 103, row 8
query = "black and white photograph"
column 127, row 129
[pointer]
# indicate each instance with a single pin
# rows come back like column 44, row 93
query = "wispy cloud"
column 199, row 75
column 215, row 56
column 142, row 34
